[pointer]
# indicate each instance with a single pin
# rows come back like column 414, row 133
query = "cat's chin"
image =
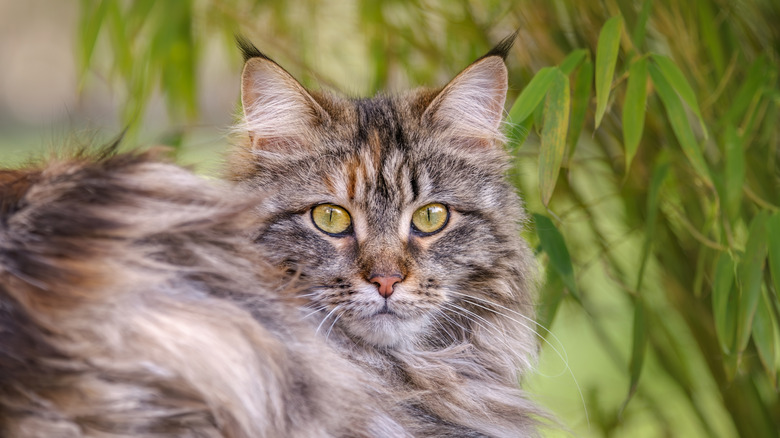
column 387, row 330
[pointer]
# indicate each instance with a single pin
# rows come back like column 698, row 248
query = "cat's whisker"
column 318, row 309
column 466, row 297
column 490, row 326
column 445, row 329
column 315, row 290
column 564, row 357
column 464, row 329
column 457, row 311
column 332, row 324
column 326, row 318
column 486, row 301
column 310, row 294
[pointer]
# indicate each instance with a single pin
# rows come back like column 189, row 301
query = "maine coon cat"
column 137, row 299
column 395, row 210
column 132, row 305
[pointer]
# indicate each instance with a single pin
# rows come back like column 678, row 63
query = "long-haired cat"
column 132, row 304
column 396, row 212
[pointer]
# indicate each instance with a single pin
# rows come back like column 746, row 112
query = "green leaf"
column 538, row 118
column 676, row 115
column 554, row 245
column 660, row 170
column 751, row 86
column 583, row 82
column 724, row 302
column 749, row 274
column 634, row 108
column 710, row 36
column 120, row 46
column 769, row 131
column 758, row 107
column 532, row 95
column 639, row 338
column 550, row 298
column 774, row 249
column 606, row 58
column 556, row 124
column 139, row 11
column 764, row 336
column 735, row 172
column 638, row 347
column 572, row 60
column 677, row 80
column 93, row 14
column 174, row 47
column 638, row 36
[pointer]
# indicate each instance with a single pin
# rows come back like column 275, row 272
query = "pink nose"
column 385, row 284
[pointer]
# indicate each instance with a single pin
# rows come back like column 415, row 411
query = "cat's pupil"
column 331, row 219
column 430, row 219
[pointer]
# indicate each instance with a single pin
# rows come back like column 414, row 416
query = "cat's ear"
column 278, row 111
column 471, row 106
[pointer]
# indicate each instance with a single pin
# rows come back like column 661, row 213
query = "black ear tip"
column 248, row 49
column 502, row 48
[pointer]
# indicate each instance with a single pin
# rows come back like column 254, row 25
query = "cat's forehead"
column 379, row 125
column 382, row 153
column 374, row 139
column 383, row 122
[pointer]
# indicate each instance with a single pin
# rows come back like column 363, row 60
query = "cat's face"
column 394, row 209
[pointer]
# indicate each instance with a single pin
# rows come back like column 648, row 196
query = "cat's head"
column 395, row 209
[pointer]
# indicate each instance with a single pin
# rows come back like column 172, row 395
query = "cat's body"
column 131, row 304
column 438, row 308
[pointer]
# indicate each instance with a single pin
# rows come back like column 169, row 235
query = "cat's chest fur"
column 446, row 392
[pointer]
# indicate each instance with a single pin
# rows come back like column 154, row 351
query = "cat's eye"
column 430, row 219
column 331, row 219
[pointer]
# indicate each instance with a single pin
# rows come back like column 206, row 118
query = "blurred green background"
column 646, row 146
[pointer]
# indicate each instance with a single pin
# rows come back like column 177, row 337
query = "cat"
column 137, row 299
column 397, row 212
column 132, row 304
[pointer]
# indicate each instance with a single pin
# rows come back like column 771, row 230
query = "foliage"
column 647, row 146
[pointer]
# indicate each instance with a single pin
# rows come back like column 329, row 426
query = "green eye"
column 430, row 218
column 331, row 219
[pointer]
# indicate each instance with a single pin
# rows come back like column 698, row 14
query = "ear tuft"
column 502, row 48
column 248, row 50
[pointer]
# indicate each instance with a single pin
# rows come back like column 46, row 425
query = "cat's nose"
column 385, row 283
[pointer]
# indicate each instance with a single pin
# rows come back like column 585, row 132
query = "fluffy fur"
column 131, row 304
column 455, row 336
column 138, row 300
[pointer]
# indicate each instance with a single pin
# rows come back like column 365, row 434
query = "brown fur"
column 132, row 305
column 455, row 337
